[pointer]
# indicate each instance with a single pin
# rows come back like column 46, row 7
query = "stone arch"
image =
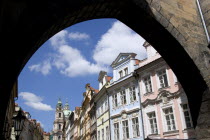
column 25, row 26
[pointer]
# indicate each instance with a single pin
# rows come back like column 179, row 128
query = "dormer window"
column 126, row 71
column 121, row 74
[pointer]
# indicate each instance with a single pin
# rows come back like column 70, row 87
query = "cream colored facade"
column 102, row 107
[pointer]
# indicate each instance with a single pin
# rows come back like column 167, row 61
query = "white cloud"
column 59, row 38
column 78, row 36
column 70, row 62
column 43, row 67
column 35, row 101
column 119, row 38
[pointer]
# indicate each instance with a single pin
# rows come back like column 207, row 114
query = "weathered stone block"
column 156, row 4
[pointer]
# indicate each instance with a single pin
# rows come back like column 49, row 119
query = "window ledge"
column 155, row 134
column 160, row 89
column 148, row 93
column 171, row 132
column 188, row 129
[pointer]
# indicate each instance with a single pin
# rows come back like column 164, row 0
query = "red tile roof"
column 108, row 78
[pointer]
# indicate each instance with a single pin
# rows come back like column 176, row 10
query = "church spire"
column 66, row 105
column 66, row 109
column 59, row 104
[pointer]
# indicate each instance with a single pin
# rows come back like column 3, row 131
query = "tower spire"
column 59, row 104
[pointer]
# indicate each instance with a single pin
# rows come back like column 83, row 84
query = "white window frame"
column 166, row 126
column 114, row 100
column 131, row 90
column 102, row 134
column 123, row 97
column 116, row 131
column 144, row 86
column 155, row 126
column 107, row 133
column 106, row 105
column 126, row 133
column 120, row 74
column 135, row 134
column 183, row 115
column 98, row 135
column 157, row 76
column 126, row 71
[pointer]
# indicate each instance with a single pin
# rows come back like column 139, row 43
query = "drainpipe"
column 136, row 75
column 109, row 115
column 203, row 21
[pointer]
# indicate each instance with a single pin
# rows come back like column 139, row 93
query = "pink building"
column 165, row 107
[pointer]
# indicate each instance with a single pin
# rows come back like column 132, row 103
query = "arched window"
column 59, row 126
column 59, row 115
column 59, row 137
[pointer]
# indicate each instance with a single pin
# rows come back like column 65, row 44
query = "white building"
column 124, row 100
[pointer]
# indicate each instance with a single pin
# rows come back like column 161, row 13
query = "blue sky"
column 68, row 61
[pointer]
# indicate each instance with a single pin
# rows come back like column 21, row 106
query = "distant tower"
column 59, row 121
column 66, row 110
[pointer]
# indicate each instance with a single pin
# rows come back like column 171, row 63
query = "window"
column 126, row 71
column 102, row 109
column 59, row 127
column 147, row 84
column 163, row 78
column 123, row 97
column 121, row 74
column 59, row 115
column 116, row 131
column 98, row 135
column 114, row 100
column 135, row 125
column 93, row 137
column 107, row 133
column 125, row 130
column 186, row 113
column 102, row 134
column 169, row 118
column 132, row 94
column 153, row 123
column 106, row 105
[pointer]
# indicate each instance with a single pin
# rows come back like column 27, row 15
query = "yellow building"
column 84, row 115
column 102, row 107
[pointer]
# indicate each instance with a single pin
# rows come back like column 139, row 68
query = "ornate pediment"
column 122, row 57
column 164, row 96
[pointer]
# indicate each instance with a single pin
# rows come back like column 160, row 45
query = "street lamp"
column 18, row 123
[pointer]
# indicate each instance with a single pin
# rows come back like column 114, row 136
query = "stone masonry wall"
column 182, row 19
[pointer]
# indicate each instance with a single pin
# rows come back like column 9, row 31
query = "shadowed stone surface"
column 173, row 27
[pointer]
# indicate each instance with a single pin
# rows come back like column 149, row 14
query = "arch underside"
column 28, row 25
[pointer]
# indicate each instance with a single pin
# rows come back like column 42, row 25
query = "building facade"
column 166, row 113
column 32, row 129
column 85, row 119
column 102, row 107
column 124, row 100
column 92, row 113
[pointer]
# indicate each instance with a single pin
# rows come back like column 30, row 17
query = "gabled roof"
column 122, row 57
